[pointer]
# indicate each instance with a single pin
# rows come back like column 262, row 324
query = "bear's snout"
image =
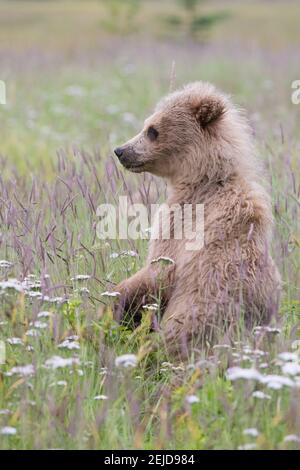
column 119, row 152
column 128, row 158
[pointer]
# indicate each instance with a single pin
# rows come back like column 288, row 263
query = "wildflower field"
column 80, row 78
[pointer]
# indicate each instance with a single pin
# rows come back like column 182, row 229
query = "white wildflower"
column 39, row 324
column 191, row 399
column 288, row 356
column 81, row 277
column 130, row 253
column 57, row 362
column 8, row 431
column 31, row 284
column 72, row 338
column 61, row 383
column 126, row 360
column 34, row 333
column 153, row 307
column 292, row 438
column 34, row 294
column 68, row 344
column 259, row 353
column 12, row 284
column 23, row 370
column 58, row 300
column 247, row 350
column 84, row 290
column 5, row 264
column 100, row 397
column 14, row 341
column 241, row 357
column 44, row 314
column 261, row 395
column 291, row 368
column 266, row 329
column 263, row 365
column 235, row 373
column 275, row 385
column 110, row 294
column 55, row 300
column 253, row 432
column 276, row 382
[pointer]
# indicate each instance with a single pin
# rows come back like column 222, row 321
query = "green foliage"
column 203, row 23
column 194, row 24
column 121, row 16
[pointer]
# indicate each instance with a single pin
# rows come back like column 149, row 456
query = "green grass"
column 77, row 85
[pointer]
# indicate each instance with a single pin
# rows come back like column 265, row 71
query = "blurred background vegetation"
column 81, row 77
column 87, row 72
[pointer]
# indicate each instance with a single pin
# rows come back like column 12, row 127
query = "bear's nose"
column 119, row 152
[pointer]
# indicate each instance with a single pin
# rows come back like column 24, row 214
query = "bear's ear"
column 208, row 110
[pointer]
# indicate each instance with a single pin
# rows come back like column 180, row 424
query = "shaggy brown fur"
column 201, row 144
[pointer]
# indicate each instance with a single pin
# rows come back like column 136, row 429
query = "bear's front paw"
column 119, row 309
column 122, row 302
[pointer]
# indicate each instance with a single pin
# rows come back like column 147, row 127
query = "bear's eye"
column 152, row 133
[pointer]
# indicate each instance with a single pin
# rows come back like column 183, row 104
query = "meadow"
column 80, row 78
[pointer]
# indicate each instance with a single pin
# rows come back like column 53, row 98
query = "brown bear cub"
column 199, row 142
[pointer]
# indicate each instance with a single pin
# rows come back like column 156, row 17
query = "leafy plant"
column 197, row 25
column 121, row 15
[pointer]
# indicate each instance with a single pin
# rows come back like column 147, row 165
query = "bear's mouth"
column 135, row 167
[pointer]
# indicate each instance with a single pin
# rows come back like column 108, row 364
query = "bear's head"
column 188, row 136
